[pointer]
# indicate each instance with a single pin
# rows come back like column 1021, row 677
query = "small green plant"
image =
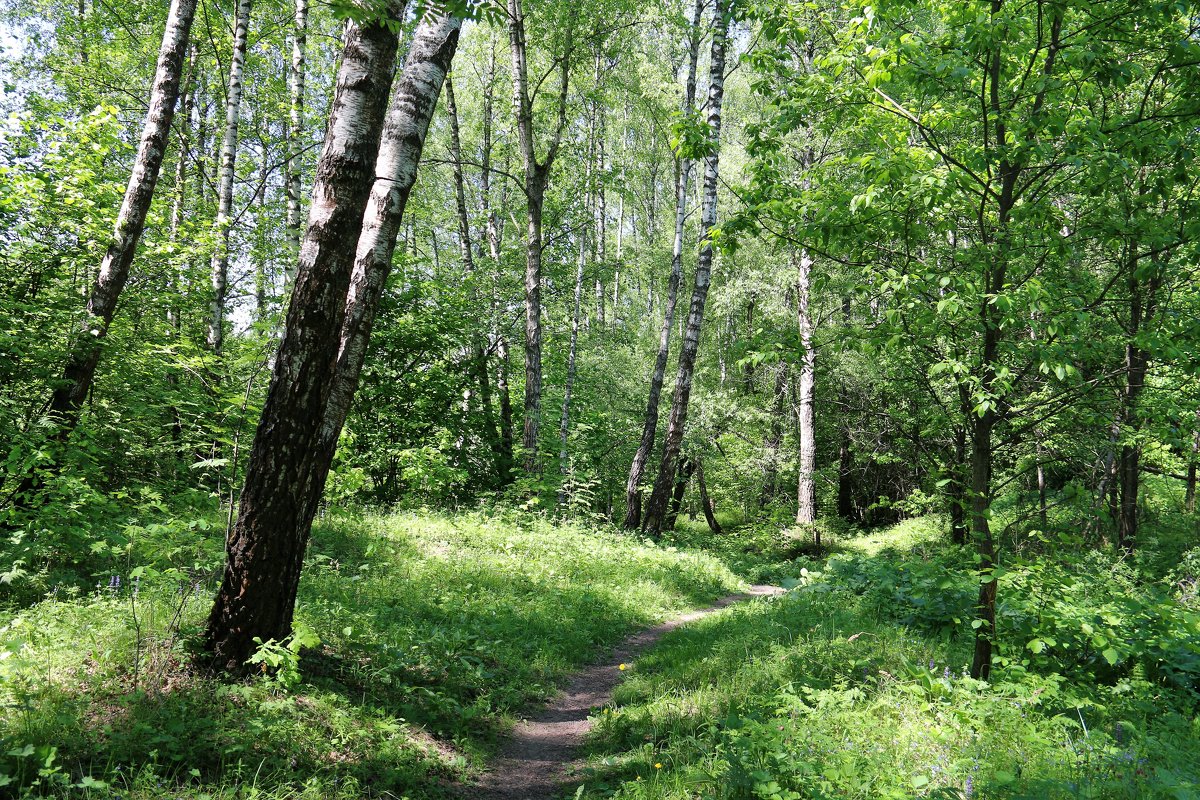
column 281, row 660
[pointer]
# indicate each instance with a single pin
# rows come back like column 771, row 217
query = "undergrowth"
column 418, row 636
column 854, row 685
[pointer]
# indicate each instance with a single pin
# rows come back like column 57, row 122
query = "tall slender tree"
column 656, row 511
column 683, row 172
column 806, row 505
column 536, row 179
column 86, row 345
column 295, row 130
column 219, row 264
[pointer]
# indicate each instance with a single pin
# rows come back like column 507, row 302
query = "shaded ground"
column 544, row 756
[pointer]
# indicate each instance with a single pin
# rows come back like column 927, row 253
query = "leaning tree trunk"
column 683, row 171
column 806, row 507
column 295, row 129
column 429, row 57
column 656, row 511
column 287, row 467
column 219, row 264
column 710, row 515
column 83, row 351
column 683, row 474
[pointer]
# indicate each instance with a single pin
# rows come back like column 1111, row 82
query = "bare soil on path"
column 542, row 759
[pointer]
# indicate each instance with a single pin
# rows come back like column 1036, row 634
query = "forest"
column 547, row 399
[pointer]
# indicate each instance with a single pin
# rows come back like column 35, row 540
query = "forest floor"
column 544, row 754
column 423, row 637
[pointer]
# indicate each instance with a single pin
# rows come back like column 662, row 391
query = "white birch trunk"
column 84, row 350
column 806, row 487
column 656, row 511
column 425, row 68
column 219, row 265
column 633, row 494
column 288, row 465
column 296, row 79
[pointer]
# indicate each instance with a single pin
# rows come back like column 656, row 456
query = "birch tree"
column 295, row 130
column 656, row 517
column 287, row 468
column 219, row 264
column 536, row 179
column 683, row 171
column 86, row 345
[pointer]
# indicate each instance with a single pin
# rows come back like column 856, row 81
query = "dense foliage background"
column 954, row 310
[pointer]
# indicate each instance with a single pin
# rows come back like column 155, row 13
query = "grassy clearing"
column 433, row 629
column 853, row 686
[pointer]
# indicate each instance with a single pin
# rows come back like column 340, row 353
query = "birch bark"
column 806, row 507
column 683, row 171
column 288, row 466
column 655, row 520
column 84, row 350
column 296, row 80
column 537, row 177
column 219, row 264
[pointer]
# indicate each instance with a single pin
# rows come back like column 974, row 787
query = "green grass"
column 853, row 685
column 429, row 631
column 434, row 629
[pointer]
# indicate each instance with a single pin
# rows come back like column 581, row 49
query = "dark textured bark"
column 84, row 350
column 288, row 466
column 981, row 482
column 845, row 484
column 655, row 511
column 683, row 473
column 706, row 504
column 683, row 171
column 1142, row 297
column 994, row 281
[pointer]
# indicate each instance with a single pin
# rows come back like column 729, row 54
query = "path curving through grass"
column 542, row 759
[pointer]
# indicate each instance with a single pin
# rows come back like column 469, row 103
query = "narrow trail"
column 542, row 757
